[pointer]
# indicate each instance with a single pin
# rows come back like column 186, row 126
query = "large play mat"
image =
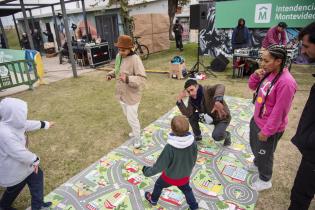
column 219, row 180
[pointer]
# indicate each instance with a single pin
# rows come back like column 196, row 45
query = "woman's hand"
column 262, row 137
column 260, row 73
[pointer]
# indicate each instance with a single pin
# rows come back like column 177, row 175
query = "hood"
column 180, row 142
column 13, row 112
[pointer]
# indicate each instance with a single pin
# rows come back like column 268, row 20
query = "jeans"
column 186, row 189
column 219, row 132
column 35, row 183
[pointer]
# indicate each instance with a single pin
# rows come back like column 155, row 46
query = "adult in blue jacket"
column 240, row 36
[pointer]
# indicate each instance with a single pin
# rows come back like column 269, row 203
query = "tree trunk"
column 172, row 6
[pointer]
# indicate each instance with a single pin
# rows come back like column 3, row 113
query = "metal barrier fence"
column 15, row 73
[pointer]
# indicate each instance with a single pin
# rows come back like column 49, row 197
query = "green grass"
column 162, row 60
column 13, row 39
column 90, row 123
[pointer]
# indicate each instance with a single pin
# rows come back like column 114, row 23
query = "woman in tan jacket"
column 130, row 78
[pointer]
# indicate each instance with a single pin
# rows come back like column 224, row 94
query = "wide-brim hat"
column 125, row 42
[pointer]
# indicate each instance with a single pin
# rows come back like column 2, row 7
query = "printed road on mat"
column 219, row 180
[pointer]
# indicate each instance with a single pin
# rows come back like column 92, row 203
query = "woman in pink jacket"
column 275, row 88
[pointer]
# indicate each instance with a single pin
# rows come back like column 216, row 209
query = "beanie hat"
column 180, row 125
column 125, row 42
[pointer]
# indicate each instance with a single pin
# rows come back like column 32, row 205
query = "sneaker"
column 137, row 143
column 147, row 196
column 198, row 138
column 130, row 134
column 227, row 141
column 251, row 168
column 260, row 185
column 46, row 204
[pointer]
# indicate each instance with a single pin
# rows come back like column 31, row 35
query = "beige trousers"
column 131, row 112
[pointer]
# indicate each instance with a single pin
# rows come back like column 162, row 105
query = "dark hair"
column 177, row 21
column 282, row 25
column 239, row 22
column 189, row 83
column 277, row 52
column 180, row 125
column 310, row 30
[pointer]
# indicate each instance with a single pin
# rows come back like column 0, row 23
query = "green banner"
column 265, row 14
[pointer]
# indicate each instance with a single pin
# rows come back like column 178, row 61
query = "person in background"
column 36, row 40
column 24, row 42
column 50, row 37
column 99, row 39
column 176, row 163
column 178, row 31
column 18, row 165
column 130, row 78
column 303, row 189
column 206, row 105
column 275, row 88
column 240, row 36
column 275, row 36
column 2, row 42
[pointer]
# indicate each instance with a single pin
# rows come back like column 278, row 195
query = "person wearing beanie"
column 130, row 78
column 18, row 165
column 274, row 88
column 275, row 36
column 176, row 163
column 240, row 36
column 206, row 104
column 303, row 189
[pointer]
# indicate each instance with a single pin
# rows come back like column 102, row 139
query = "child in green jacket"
column 176, row 162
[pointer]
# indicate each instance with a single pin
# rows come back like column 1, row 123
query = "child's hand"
column 123, row 77
column 36, row 165
column 36, row 169
column 51, row 124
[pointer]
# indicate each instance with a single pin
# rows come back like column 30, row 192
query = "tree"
column 124, row 14
column 127, row 20
column 172, row 8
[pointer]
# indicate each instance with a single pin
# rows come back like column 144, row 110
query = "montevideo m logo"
column 263, row 13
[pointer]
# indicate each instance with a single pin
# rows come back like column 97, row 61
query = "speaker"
column 198, row 16
column 98, row 54
column 219, row 63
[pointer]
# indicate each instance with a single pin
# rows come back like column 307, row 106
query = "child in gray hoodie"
column 176, row 162
column 19, row 166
